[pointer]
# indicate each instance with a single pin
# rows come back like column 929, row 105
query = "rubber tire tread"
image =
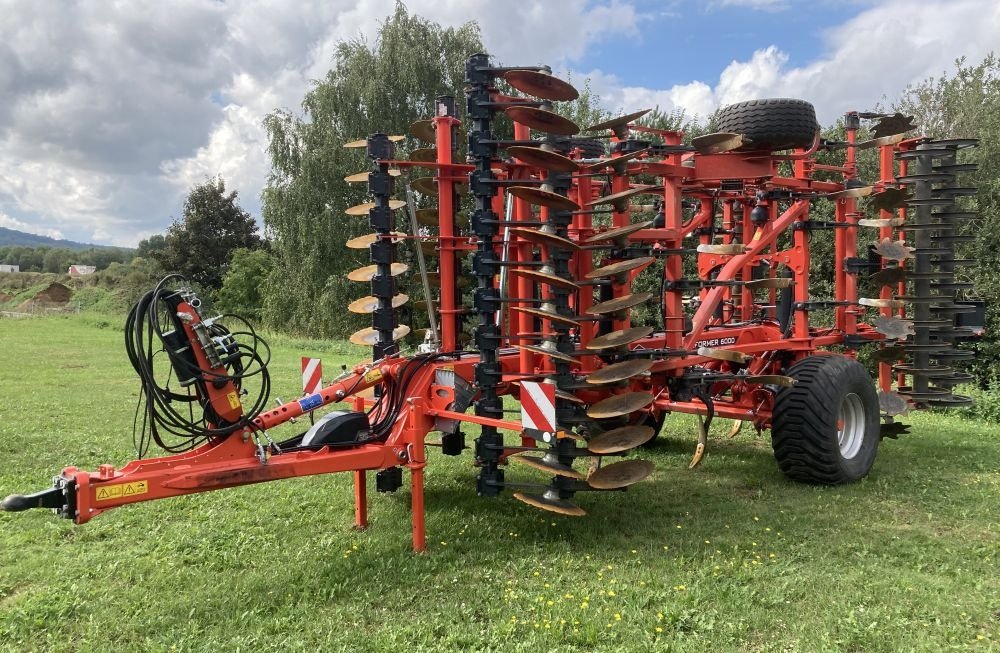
column 804, row 425
column 774, row 124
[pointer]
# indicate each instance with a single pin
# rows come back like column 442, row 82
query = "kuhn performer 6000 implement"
column 540, row 236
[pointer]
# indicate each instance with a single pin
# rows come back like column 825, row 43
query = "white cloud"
column 13, row 223
column 874, row 55
column 112, row 111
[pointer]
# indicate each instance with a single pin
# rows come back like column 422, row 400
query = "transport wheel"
column 825, row 428
column 775, row 124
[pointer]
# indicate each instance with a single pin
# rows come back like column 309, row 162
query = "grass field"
column 728, row 557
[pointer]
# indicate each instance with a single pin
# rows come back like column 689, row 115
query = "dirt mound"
column 4, row 297
column 55, row 293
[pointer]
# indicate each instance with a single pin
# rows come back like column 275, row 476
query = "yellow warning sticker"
column 109, row 492
column 234, row 401
column 374, row 376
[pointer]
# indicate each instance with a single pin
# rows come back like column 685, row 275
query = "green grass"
column 728, row 557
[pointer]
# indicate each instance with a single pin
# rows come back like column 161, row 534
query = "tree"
column 242, row 288
column 201, row 244
column 373, row 87
column 150, row 246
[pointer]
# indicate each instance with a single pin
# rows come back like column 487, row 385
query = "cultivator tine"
column 619, row 125
column 779, row 380
column 541, row 85
column 881, row 222
column 736, row 428
column 543, row 120
column 699, row 450
column 620, row 475
column 773, row 283
column 718, row 143
column 425, row 185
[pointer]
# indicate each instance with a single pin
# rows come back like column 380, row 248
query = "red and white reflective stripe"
column 312, row 375
column 538, row 406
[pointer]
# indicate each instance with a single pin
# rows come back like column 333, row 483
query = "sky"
column 110, row 111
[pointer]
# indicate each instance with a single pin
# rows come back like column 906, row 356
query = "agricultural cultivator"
column 550, row 245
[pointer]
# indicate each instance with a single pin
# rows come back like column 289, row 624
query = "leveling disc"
column 616, row 124
column 881, row 141
column 618, row 233
column 543, row 121
column 619, row 338
column 546, row 278
column 851, row 193
column 619, row 304
column 619, row 405
column 723, row 250
column 544, row 350
column 550, row 501
column 619, row 475
column 362, row 209
column 540, row 158
column 619, row 267
column 541, row 85
column 544, row 238
column 618, row 164
column 622, row 371
column 369, row 336
column 548, row 463
column 366, row 241
column 620, row 196
column 547, row 315
column 363, row 142
column 717, row 143
column 543, row 198
column 368, row 272
column 424, row 185
column 888, row 199
column 369, row 304
column 362, row 177
column 424, row 130
column 424, row 155
column 620, row 439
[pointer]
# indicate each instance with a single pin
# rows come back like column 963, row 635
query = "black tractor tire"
column 825, row 429
column 772, row 124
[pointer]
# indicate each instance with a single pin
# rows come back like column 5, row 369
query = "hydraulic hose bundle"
column 200, row 396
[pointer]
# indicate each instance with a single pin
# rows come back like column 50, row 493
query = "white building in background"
column 9, row 268
column 81, row 270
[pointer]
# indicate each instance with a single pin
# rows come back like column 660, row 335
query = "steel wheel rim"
column 850, row 425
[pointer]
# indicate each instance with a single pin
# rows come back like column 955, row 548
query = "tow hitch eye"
column 61, row 498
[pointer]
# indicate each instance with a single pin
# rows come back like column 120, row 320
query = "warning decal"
column 234, row 400
column 109, row 492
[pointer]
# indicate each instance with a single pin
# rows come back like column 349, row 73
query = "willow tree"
column 379, row 86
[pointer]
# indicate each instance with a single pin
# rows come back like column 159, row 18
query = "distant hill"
column 13, row 237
